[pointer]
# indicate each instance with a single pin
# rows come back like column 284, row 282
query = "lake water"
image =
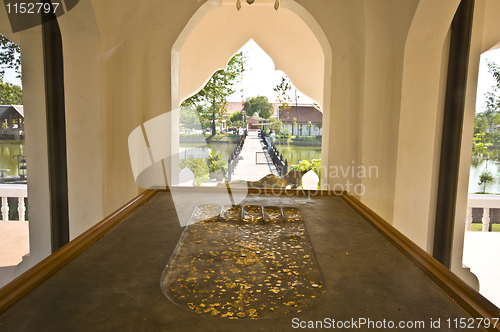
column 189, row 150
column 295, row 154
column 8, row 150
column 290, row 152
column 488, row 161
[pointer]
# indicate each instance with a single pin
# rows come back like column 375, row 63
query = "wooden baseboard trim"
column 26, row 282
column 467, row 297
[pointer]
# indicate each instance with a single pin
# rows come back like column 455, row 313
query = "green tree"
column 490, row 113
column 282, row 90
column 319, row 125
column 480, row 124
column 235, row 120
column 259, row 105
column 494, row 69
column 275, row 125
column 490, row 116
column 218, row 88
column 10, row 94
column 485, row 180
column 236, row 116
column 10, row 56
column 189, row 118
column 479, row 143
column 205, row 116
column 309, row 125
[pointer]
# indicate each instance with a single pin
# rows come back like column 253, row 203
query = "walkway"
column 247, row 169
column 14, row 244
column 481, row 256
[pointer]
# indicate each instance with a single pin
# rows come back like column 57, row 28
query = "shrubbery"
column 216, row 162
column 199, row 168
column 306, row 165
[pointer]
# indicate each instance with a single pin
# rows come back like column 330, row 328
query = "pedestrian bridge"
column 251, row 166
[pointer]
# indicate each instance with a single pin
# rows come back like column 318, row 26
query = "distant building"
column 304, row 114
column 12, row 119
column 233, row 107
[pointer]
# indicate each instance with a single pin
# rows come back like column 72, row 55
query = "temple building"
column 103, row 81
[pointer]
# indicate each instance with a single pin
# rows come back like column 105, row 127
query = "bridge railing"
column 485, row 202
column 13, row 190
column 279, row 162
column 232, row 161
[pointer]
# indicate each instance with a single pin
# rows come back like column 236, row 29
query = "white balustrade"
column 486, row 202
column 13, row 190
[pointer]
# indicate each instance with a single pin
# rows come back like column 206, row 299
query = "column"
column 468, row 219
column 486, row 219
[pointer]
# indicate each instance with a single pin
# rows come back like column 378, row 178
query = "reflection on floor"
column 115, row 284
column 482, row 255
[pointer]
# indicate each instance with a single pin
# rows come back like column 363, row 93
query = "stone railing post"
column 13, row 190
column 21, row 209
column 5, row 209
column 486, row 219
column 468, row 219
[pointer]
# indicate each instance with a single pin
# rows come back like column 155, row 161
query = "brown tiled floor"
column 115, row 284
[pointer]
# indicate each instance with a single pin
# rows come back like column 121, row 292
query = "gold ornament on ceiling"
column 238, row 4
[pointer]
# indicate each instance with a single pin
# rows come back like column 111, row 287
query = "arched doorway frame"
column 314, row 27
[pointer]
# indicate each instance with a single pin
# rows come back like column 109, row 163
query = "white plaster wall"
column 81, row 51
column 117, row 27
column 343, row 24
column 387, row 25
column 281, row 34
column 422, row 103
column 136, row 39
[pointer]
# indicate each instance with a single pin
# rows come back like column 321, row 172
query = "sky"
column 260, row 77
column 10, row 76
column 486, row 80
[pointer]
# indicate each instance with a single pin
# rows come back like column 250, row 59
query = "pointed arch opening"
column 290, row 36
